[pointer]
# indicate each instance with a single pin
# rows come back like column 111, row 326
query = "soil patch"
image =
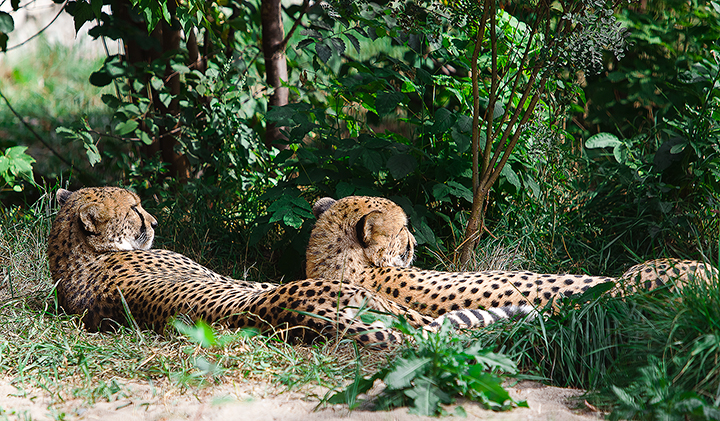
column 254, row 400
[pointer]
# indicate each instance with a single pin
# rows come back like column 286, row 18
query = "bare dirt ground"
column 254, row 400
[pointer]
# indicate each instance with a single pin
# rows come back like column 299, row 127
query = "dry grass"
column 42, row 348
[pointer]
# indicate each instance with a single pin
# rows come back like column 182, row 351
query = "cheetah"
column 366, row 241
column 101, row 258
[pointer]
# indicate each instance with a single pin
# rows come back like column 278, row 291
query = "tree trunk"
column 135, row 53
column 178, row 162
column 273, row 35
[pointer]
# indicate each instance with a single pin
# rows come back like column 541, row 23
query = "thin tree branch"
column 476, row 100
column 22, row 120
column 490, row 110
column 40, row 31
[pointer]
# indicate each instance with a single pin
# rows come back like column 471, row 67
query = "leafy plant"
column 434, row 369
column 206, row 337
column 654, row 396
column 16, row 165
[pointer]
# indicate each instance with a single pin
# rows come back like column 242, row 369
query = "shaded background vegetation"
column 379, row 104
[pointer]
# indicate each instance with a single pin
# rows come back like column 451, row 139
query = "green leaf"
column 444, row 119
column 621, row 152
column 323, row 52
column 4, row 166
column 92, row 153
column 165, row 98
column 401, row 165
column 7, row 24
column 462, row 141
column 283, row 116
column 180, row 68
column 464, row 123
column 338, row 45
column 292, row 220
column 156, row 83
column 20, row 162
column 533, row 186
column 96, row 6
column 110, row 100
column 488, row 385
column 125, row 127
column 145, row 138
column 372, row 160
column 82, row 12
column 304, row 43
column 100, row 78
column 354, row 41
column 676, row 149
column 387, row 102
column 493, row 360
column 426, row 397
column 201, row 334
column 311, row 33
column 441, row 192
column 405, row 371
column 458, row 190
column 602, row 140
column 511, row 176
column 424, row 234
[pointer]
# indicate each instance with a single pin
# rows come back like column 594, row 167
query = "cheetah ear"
column 322, row 205
column 90, row 215
column 62, row 196
column 364, row 227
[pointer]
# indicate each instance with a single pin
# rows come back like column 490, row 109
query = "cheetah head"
column 107, row 218
column 357, row 232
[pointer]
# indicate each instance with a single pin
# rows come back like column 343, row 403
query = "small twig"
column 25, row 123
column 303, row 10
column 191, row 65
column 41, row 31
column 135, row 139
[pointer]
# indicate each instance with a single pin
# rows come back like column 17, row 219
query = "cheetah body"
column 100, row 256
column 365, row 240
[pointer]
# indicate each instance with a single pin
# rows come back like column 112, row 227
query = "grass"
column 40, row 348
column 651, row 354
column 620, row 347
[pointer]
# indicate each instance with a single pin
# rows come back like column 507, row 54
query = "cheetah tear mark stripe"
column 468, row 319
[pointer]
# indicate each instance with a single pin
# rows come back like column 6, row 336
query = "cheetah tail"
column 469, row 319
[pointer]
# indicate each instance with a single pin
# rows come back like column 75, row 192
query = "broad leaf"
column 426, row 397
column 387, row 102
column 401, row 165
column 602, row 140
column 444, row 119
column 7, row 24
column 323, row 51
column 405, row 371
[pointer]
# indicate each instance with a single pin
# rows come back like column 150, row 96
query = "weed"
column 652, row 353
column 434, row 369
